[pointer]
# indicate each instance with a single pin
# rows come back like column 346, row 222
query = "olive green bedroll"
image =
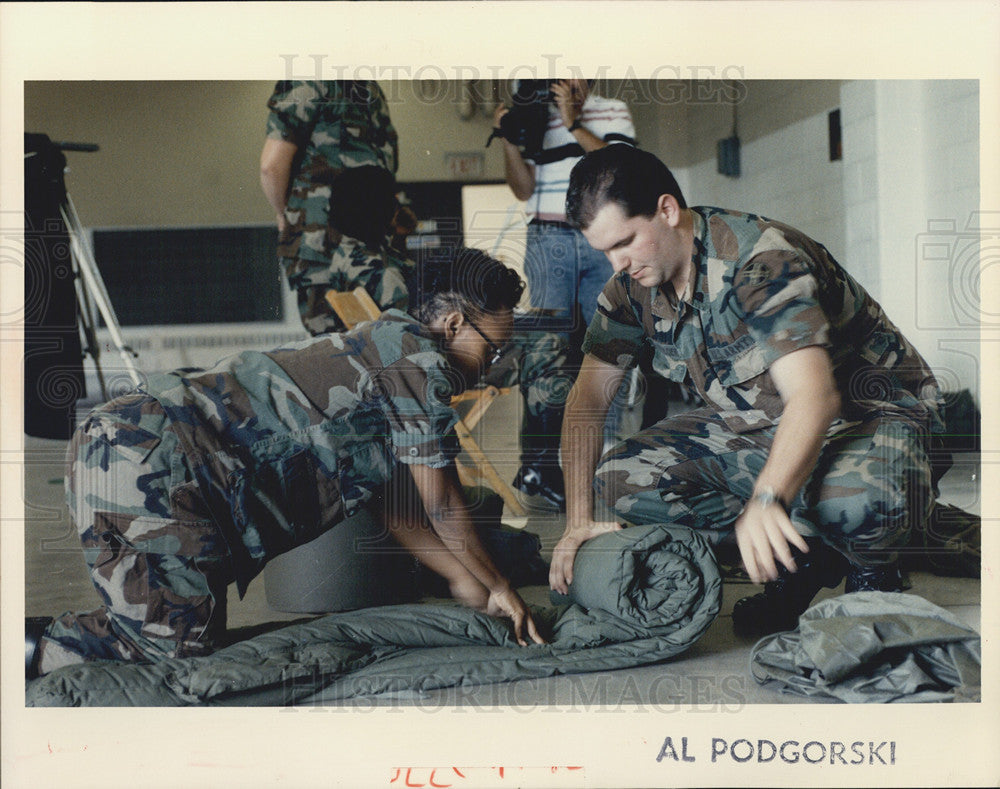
column 639, row 596
column 873, row 647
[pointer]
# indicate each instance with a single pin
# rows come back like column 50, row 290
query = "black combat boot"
column 778, row 607
column 34, row 628
column 883, row 578
column 540, row 474
column 537, row 478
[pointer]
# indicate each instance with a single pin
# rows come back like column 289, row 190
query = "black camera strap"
column 557, row 154
column 496, row 134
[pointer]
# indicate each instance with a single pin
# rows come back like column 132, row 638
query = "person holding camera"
column 316, row 131
column 550, row 126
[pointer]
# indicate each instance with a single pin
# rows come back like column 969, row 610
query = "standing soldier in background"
column 315, row 132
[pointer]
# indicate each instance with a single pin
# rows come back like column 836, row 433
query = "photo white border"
column 936, row 744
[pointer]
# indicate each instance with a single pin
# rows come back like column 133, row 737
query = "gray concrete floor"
column 712, row 675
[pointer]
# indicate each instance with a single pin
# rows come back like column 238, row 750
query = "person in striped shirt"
column 565, row 275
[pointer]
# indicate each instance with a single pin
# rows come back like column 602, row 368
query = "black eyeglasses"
column 496, row 349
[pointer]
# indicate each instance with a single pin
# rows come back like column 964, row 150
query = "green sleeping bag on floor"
column 639, row 596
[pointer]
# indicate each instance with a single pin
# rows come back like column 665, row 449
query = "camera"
column 533, row 91
column 524, row 125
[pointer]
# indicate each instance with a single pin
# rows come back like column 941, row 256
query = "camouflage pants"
column 155, row 556
column 536, row 363
column 346, row 270
column 565, row 276
column 871, row 486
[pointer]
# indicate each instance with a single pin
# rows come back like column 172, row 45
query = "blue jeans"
column 563, row 270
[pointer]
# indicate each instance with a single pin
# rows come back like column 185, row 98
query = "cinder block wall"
column 915, row 231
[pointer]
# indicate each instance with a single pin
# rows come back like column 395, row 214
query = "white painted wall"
column 911, row 204
column 784, row 156
column 948, row 314
column 785, row 176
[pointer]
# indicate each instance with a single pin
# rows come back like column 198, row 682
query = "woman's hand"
column 469, row 592
column 505, row 602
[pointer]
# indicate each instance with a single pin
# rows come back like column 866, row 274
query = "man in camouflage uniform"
column 203, row 476
column 316, row 131
column 817, row 410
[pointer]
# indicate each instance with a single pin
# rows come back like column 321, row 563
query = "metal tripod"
column 90, row 291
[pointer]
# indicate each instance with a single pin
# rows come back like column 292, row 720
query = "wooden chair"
column 355, row 306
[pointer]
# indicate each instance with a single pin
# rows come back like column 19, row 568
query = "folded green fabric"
column 639, row 596
column 874, row 647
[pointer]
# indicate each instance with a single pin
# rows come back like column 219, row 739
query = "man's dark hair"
column 362, row 203
column 622, row 174
column 465, row 280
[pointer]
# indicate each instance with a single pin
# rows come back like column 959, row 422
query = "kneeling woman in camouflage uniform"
column 201, row 477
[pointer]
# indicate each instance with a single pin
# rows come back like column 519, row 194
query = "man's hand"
column 804, row 379
column 561, row 569
column 763, row 534
column 570, row 95
column 498, row 113
column 276, row 160
column 504, row 601
column 519, row 174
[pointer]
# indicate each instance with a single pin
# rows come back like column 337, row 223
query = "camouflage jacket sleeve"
column 778, row 297
column 293, row 107
column 346, row 123
column 615, row 335
column 417, row 392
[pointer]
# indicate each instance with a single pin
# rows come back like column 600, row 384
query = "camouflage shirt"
column 336, row 125
column 286, row 444
column 762, row 290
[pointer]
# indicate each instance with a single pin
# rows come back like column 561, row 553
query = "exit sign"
column 463, row 166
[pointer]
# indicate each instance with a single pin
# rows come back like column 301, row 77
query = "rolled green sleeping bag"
column 639, row 596
column 651, row 576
